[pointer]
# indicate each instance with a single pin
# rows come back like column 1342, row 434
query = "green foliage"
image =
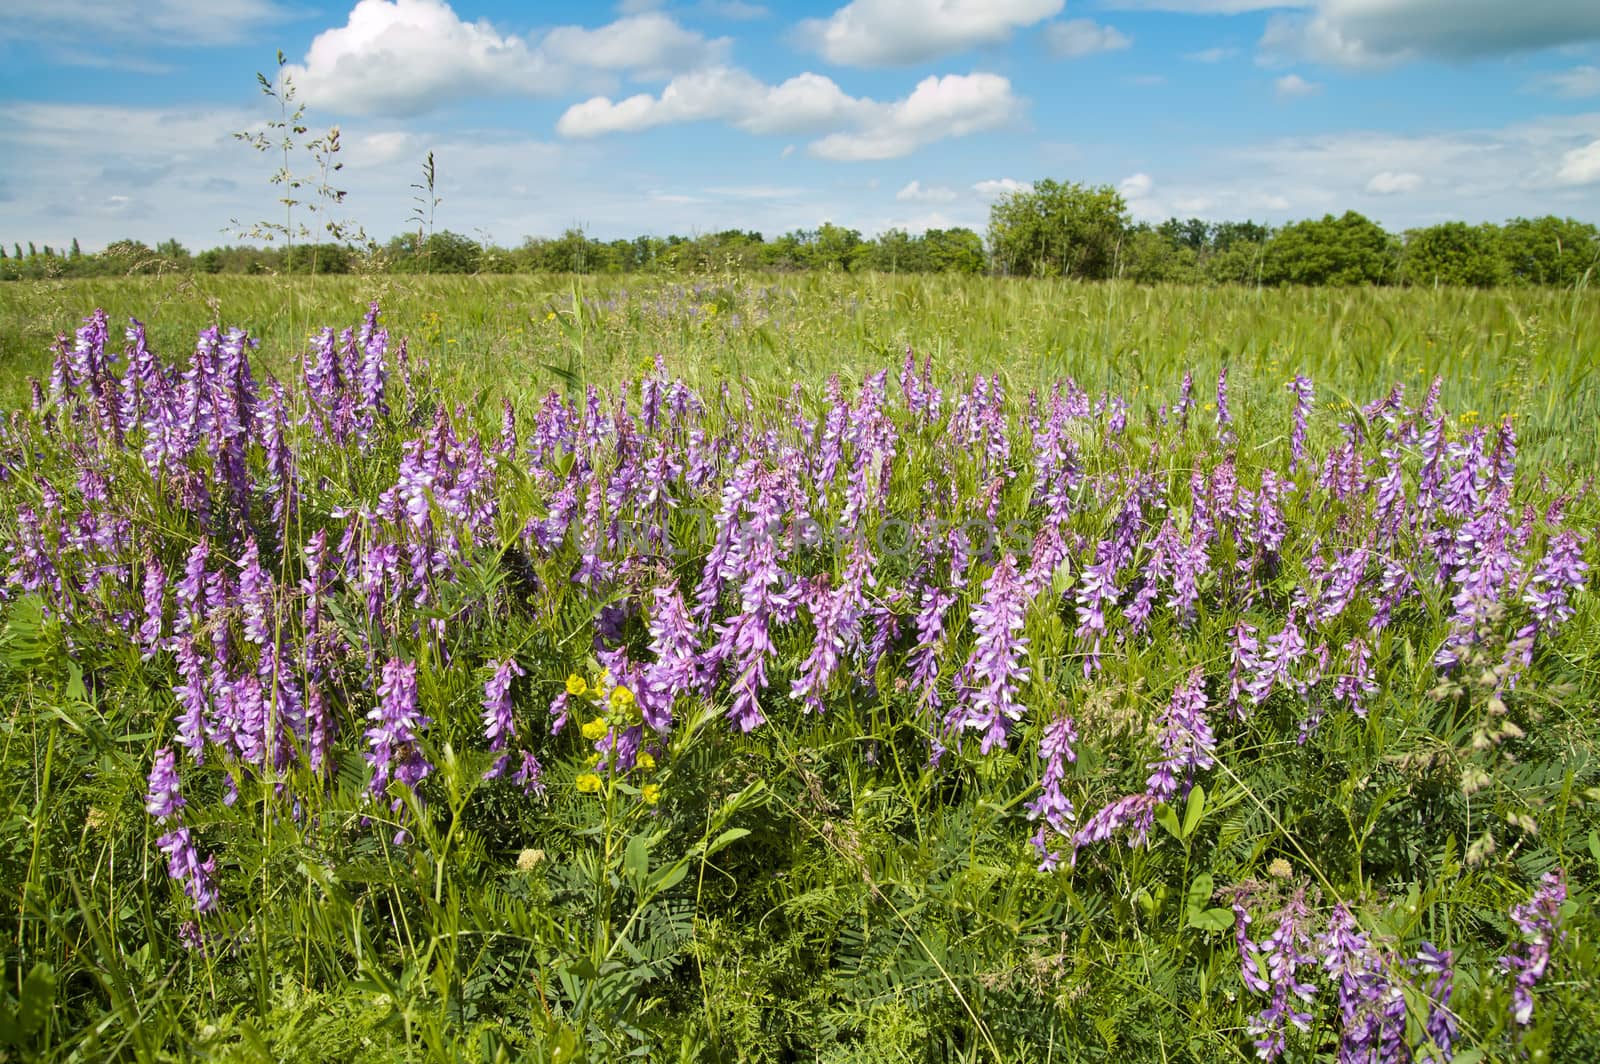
column 1348, row 250
column 1454, row 253
column 1058, row 230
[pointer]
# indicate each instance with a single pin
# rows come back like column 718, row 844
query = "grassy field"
column 1529, row 353
column 600, row 679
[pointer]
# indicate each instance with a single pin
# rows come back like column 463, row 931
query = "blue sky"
column 661, row 117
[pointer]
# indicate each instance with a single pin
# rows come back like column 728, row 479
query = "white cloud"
column 182, row 22
column 1004, row 186
column 1391, row 182
column 864, row 129
column 805, row 103
column 916, row 192
column 1375, row 33
column 1291, row 85
column 1580, row 166
column 896, row 32
column 402, row 57
column 1138, row 191
column 955, row 105
column 1136, row 186
column 1211, row 55
column 1206, row 7
column 1079, row 37
column 1574, row 84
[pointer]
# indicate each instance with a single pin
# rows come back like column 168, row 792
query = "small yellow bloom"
column 1280, row 869
column 550, row 316
column 645, row 761
column 576, row 686
column 588, row 783
column 651, row 793
column 595, row 729
column 621, row 697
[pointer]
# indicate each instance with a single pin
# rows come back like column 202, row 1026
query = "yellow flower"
column 550, row 316
column 621, row 697
column 651, row 793
column 595, row 728
column 575, row 686
column 588, row 783
column 645, row 761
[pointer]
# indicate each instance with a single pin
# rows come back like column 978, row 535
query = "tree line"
column 1051, row 229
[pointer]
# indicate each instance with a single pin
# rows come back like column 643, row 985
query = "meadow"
column 772, row 668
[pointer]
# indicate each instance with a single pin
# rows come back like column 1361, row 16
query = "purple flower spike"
column 498, row 724
column 1538, row 919
column 164, row 802
column 395, row 753
column 1186, row 740
column 1053, row 807
column 989, row 700
column 184, row 865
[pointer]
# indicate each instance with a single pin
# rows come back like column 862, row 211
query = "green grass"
column 813, row 890
column 1528, row 353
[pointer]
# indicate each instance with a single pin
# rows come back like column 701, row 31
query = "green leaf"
column 38, row 998
column 1200, row 891
column 1210, row 919
column 670, row 877
column 1594, row 846
column 727, row 838
column 636, row 860
column 1169, row 820
column 1194, row 810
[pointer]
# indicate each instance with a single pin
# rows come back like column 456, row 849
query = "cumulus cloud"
column 1291, row 85
column 1002, row 186
column 1580, row 166
column 952, row 106
column 1392, row 183
column 402, row 57
column 917, row 192
column 1079, row 37
column 898, row 32
column 1376, row 33
column 1574, row 84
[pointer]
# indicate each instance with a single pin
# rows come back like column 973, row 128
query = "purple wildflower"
column 1538, row 919
column 989, row 700
column 184, row 865
column 396, row 752
column 1284, row 953
column 498, row 724
column 1053, row 807
column 1304, row 399
column 1187, row 744
column 164, row 801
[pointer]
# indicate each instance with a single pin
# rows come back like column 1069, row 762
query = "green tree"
column 1549, row 250
column 1453, row 253
column 1348, row 250
column 833, row 247
column 77, row 252
column 896, row 251
column 954, row 250
column 1160, row 256
column 1056, row 229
